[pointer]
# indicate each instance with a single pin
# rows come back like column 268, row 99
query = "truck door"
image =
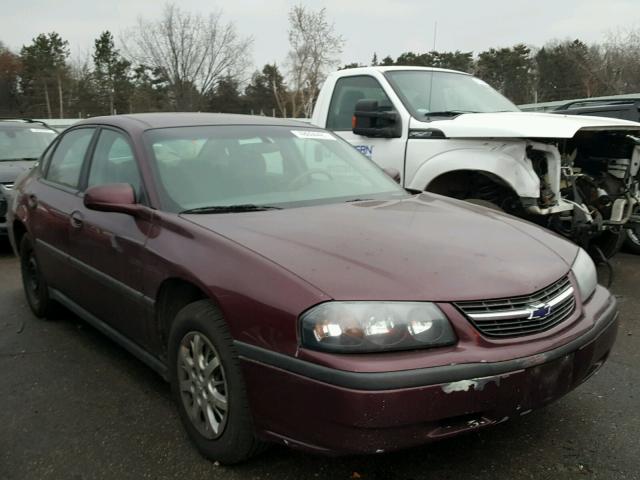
column 386, row 152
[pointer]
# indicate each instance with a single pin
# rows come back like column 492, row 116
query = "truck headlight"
column 584, row 271
column 360, row 327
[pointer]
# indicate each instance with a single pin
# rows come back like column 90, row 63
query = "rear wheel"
column 35, row 286
column 208, row 386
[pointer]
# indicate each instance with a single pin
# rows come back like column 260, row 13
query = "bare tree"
column 620, row 55
column 315, row 48
column 191, row 51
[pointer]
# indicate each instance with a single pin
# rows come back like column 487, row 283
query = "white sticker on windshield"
column 40, row 130
column 313, row 134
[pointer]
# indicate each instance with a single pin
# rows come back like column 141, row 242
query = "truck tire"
column 609, row 242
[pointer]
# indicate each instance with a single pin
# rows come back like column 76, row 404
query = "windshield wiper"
column 248, row 207
column 448, row 113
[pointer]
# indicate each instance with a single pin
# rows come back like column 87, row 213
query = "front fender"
column 509, row 162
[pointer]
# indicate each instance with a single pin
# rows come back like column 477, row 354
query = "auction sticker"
column 40, row 130
column 313, row 134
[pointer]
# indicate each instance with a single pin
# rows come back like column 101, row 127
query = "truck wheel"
column 208, row 387
column 632, row 239
column 34, row 284
column 610, row 242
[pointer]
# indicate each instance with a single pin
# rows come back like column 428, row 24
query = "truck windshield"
column 222, row 169
column 430, row 93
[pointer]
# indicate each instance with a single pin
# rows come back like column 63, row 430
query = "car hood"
column 426, row 247
column 522, row 125
column 10, row 170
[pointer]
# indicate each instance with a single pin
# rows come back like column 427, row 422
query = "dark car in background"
column 292, row 292
column 21, row 144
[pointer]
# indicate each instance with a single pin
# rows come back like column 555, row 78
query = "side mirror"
column 115, row 197
column 370, row 121
column 394, row 173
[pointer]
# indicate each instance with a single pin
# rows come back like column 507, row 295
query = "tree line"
column 191, row 62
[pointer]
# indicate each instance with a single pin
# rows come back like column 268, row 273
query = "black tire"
column 34, row 284
column 236, row 440
column 632, row 239
column 609, row 242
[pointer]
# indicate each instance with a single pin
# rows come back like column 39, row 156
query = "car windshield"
column 18, row 142
column 428, row 93
column 201, row 169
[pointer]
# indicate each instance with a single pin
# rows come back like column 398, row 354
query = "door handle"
column 77, row 220
column 32, row 201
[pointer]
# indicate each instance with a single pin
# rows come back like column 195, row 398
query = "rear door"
column 107, row 247
column 52, row 199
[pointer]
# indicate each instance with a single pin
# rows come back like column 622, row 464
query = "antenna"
column 435, row 34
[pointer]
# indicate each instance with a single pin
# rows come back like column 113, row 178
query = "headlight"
column 584, row 270
column 359, row 327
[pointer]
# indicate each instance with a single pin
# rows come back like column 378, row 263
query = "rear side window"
column 113, row 162
column 347, row 92
column 66, row 163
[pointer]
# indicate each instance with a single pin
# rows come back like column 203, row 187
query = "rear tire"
column 208, row 387
column 34, row 284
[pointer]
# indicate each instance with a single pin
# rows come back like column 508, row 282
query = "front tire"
column 35, row 286
column 208, row 387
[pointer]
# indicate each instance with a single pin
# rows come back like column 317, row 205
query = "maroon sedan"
column 290, row 291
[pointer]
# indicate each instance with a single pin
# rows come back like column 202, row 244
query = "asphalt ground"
column 74, row 405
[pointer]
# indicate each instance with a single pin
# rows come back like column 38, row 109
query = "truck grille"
column 519, row 316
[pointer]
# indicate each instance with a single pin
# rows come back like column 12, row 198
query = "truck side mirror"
column 370, row 121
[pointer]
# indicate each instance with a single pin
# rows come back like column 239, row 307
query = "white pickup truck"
column 451, row 133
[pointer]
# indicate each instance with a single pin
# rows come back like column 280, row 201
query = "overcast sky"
column 388, row 27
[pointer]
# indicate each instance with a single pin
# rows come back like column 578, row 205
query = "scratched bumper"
column 319, row 416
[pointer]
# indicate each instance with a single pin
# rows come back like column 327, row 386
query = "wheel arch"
column 514, row 172
column 173, row 294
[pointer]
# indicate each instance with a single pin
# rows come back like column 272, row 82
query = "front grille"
column 526, row 315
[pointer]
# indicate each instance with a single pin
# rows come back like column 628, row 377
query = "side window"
column 113, row 162
column 66, row 162
column 347, row 92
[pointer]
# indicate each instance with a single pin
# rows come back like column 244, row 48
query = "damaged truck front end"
column 589, row 187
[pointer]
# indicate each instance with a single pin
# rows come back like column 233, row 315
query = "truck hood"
column 10, row 170
column 426, row 247
column 522, row 125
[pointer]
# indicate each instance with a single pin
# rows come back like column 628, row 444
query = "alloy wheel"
column 203, row 385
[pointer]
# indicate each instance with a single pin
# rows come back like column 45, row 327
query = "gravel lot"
column 73, row 405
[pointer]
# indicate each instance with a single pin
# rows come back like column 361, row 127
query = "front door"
column 385, row 152
column 107, row 247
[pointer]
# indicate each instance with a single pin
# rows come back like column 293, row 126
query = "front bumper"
column 338, row 412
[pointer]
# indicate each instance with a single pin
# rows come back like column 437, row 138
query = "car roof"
column 146, row 121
